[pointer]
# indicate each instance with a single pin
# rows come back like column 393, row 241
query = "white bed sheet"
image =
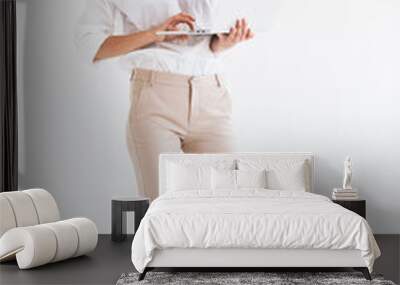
column 251, row 218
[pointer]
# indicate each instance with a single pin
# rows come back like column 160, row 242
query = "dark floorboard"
column 389, row 262
column 110, row 260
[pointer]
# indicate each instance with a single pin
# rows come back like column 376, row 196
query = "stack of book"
column 345, row 194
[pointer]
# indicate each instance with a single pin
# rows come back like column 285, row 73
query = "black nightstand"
column 119, row 207
column 357, row 206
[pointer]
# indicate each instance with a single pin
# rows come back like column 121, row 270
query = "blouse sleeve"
column 94, row 26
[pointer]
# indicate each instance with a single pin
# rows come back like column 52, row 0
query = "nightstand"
column 357, row 206
column 119, row 207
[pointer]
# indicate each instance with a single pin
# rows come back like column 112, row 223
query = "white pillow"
column 282, row 174
column 227, row 179
column 182, row 177
column 223, row 179
column 288, row 179
column 251, row 178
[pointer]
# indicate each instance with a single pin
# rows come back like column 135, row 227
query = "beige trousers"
column 175, row 113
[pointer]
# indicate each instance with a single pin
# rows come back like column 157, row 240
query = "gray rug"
column 269, row 278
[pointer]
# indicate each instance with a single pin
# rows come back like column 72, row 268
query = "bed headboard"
column 230, row 159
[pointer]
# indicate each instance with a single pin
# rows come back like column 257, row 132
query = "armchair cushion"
column 27, row 208
column 37, row 245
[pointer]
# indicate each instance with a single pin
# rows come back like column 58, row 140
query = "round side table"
column 119, row 207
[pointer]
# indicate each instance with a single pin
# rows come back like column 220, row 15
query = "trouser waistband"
column 152, row 76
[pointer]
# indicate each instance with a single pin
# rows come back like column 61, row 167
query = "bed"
column 247, row 210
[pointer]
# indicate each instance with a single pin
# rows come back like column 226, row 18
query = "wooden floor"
column 110, row 260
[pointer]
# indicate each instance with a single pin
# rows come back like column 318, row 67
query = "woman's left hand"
column 239, row 33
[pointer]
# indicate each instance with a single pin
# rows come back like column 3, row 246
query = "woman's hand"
column 239, row 33
column 171, row 24
column 117, row 45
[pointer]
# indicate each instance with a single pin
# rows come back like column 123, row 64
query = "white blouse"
column 193, row 57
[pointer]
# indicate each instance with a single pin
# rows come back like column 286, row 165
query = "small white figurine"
column 348, row 173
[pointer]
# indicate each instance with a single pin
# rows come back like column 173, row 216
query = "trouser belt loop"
column 219, row 80
column 152, row 78
column 132, row 75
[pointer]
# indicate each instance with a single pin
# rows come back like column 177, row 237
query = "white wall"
column 324, row 77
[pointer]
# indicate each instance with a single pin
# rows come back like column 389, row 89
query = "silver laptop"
column 195, row 33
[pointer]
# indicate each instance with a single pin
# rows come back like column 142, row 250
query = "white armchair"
column 31, row 230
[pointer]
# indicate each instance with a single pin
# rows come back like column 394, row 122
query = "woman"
column 178, row 100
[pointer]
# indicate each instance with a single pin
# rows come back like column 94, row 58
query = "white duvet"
column 252, row 218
